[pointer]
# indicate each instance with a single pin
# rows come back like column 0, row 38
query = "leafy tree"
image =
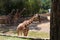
column 32, row 6
column 45, row 5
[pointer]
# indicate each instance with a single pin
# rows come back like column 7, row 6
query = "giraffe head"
column 37, row 17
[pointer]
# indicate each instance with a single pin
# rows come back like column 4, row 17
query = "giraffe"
column 7, row 19
column 23, row 27
column 18, row 15
column 10, row 16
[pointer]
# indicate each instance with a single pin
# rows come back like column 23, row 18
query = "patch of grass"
column 39, row 34
column 11, row 38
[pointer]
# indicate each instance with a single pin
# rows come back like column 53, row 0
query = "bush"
column 43, row 11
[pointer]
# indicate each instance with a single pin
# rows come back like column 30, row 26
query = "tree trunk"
column 55, row 20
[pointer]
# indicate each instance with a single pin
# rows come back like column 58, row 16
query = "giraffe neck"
column 31, row 20
column 28, row 22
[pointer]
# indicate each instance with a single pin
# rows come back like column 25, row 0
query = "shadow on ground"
column 33, row 26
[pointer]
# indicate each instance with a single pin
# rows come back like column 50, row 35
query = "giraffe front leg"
column 25, row 32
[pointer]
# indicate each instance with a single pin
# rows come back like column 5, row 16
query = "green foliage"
column 32, row 6
column 39, row 34
column 43, row 11
column 11, row 38
column 45, row 5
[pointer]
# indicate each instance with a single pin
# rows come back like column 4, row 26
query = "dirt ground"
column 44, row 27
column 35, row 26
